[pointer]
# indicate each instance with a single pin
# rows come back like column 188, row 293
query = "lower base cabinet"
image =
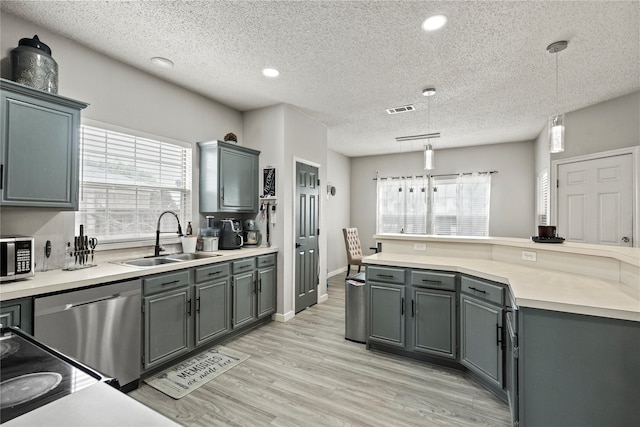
column 266, row 285
column 212, row 303
column 244, row 286
column 433, row 314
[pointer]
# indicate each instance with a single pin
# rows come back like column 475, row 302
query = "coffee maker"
column 230, row 234
column 252, row 237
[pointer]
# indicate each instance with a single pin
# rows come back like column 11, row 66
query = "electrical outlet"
column 420, row 246
column 528, row 256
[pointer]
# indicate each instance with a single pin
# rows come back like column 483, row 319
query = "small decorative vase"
column 33, row 66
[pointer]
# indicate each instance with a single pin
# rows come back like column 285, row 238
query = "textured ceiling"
column 345, row 62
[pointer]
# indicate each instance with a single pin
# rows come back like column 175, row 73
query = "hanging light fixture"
column 556, row 122
column 429, row 155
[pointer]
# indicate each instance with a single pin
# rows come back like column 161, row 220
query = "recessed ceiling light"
column 430, row 91
column 270, row 72
column 162, row 62
column 434, row 22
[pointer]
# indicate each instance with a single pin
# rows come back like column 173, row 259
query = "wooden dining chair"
column 354, row 250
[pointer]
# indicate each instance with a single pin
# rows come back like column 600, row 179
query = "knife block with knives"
column 80, row 255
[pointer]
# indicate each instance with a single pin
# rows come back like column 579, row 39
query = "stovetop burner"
column 33, row 374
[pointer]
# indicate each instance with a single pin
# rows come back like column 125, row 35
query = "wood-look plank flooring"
column 304, row 373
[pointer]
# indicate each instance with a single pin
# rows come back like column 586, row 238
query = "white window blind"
column 127, row 181
column 457, row 206
column 542, row 192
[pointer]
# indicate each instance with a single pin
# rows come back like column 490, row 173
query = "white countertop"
column 532, row 287
column 97, row 406
column 61, row 280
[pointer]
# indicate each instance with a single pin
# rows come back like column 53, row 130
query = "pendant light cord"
column 557, row 91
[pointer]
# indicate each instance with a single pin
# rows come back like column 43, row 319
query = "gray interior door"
column 306, row 217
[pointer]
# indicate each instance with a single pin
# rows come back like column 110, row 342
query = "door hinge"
column 516, row 352
column 557, row 183
column 318, row 183
column 318, row 230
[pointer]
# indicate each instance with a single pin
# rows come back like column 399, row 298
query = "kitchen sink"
column 191, row 256
column 165, row 259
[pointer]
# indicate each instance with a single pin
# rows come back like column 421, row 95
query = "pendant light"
column 556, row 122
column 429, row 155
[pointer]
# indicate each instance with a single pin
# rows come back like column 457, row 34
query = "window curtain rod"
column 436, row 176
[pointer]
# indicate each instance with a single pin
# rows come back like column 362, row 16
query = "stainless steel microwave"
column 17, row 258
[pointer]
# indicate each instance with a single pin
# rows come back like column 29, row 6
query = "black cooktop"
column 33, row 374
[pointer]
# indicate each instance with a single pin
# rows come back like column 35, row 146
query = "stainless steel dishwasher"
column 99, row 327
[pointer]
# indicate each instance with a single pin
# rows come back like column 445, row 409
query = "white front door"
column 595, row 200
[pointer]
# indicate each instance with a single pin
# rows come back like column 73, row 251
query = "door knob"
column 625, row 239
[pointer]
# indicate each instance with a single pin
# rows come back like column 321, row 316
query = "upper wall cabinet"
column 38, row 148
column 228, row 177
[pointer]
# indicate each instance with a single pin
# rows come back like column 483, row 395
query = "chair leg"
column 348, row 270
column 359, row 267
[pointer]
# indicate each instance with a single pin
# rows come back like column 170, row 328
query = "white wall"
column 119, row 95
column 338, row 210
column 284, row 135
column 512, row 188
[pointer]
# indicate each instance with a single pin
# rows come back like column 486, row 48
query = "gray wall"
column 512, row 188
column 338, row 209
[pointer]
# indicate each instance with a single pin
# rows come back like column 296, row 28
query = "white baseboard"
column 278, row 317
column 323, row 298
column 336, row 272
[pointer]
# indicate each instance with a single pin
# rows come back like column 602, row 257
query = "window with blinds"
column 126, row 182
column 457, row 206
column 542, row 191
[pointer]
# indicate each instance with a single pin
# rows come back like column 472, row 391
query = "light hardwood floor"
column 304, row 373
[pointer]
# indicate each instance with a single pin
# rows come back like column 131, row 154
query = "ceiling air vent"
column 402, row 109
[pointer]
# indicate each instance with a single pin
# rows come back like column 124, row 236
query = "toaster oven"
column 16, row 258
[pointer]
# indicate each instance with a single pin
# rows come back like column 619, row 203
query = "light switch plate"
column 528, row 256
column 420, row 246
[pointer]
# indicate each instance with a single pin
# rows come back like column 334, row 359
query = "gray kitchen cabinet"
column 39, row 157
column 212, row 303
column 228, row 177
column 386, row 314
column 512, row 355
column 266, row 285
column 244, row 285
column 481, row 330
column 433, row 318
column 167, row 317
column 18, row 313
column 577, row 370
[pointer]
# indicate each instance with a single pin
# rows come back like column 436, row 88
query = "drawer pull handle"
column 477, row 290
column 215, row 272
column 243, row 267
column 432, row 282
column 388, row 276
column 173, row 282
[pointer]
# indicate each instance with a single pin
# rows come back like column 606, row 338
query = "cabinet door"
column 481, row 339
column 238, row 181
column 17, row 313
column 434, row 321
column 386, row 313
column 212, row 310
column 266, row 291
column 166, row 326
column 39, row 153
column 244, row 299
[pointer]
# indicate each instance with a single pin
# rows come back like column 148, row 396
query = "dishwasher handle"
column 80, row 304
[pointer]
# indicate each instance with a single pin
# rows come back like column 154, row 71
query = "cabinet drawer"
column 244, row 265
column 385, row 274
column 212, row 272
column 165, row 282
column 483, row 290
column 266, row 260
column 434, row 279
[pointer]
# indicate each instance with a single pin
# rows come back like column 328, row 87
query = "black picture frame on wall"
column 269, row 182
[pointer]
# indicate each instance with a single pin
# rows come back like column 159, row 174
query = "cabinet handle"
column 498, row 334
column 189, row 307
column 413, row 308
column 198, row 305
column 222, row 193
column 477, row 290
column 402, row 307
column 260, row 285
column 173, row 282
column 1, row 177
column 432, row 282
column 243, row 267
column 388, row 276
column 215, row 272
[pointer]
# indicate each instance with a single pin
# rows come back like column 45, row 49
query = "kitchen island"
column 552, row 329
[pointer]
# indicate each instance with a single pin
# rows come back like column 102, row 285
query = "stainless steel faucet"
column 157, row 248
